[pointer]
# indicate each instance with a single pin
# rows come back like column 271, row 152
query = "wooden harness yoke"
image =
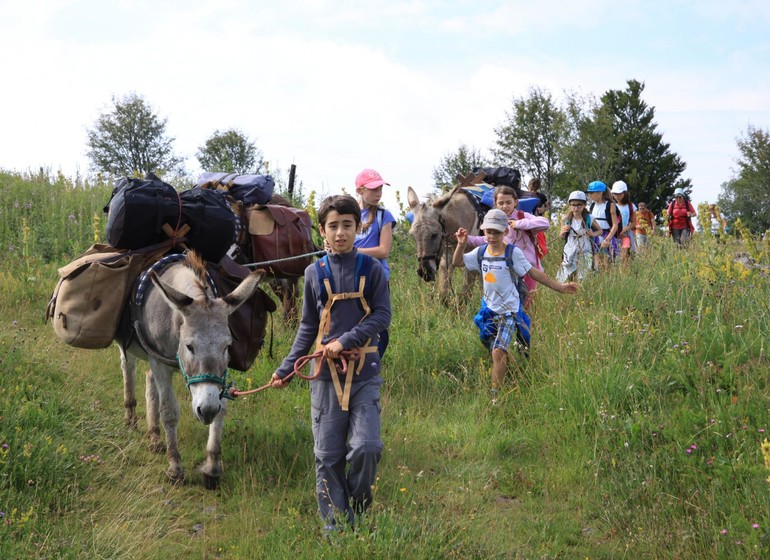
column 329, row 298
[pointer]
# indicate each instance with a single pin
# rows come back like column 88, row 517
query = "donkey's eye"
column 190, row 349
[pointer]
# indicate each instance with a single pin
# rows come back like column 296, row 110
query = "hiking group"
column 346, row 308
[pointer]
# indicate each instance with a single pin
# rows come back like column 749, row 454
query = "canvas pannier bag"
column 278, row 232
column 87, row 303
column 247, row 323
column 249, row 189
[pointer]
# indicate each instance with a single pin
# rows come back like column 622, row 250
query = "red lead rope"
column 344, row 356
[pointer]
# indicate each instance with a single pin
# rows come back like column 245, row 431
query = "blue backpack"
column 363, row 267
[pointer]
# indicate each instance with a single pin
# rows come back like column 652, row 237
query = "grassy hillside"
column 634, row 430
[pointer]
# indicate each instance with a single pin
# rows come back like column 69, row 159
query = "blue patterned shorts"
column 510, row 325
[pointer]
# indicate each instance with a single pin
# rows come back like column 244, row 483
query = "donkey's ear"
column 411, row 198
column 174, row 297
column 244, row 290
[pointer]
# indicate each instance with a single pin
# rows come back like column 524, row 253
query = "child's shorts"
column 625, row 243
column 510, row 325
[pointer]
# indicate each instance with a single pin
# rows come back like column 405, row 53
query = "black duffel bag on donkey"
column 139, row 209
column 211, row 220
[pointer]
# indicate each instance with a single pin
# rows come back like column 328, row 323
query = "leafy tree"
column 462, row 162
column 531, row 135
column 230, row 151
column 131, row 139
column 590, row 144
column 747, row 195
column 641, row 158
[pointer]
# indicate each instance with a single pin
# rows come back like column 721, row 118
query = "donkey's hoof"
column 210, row 482
column 175, row 476
column 132, row 423
column 157, row 446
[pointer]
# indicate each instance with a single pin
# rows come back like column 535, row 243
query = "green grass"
column 634, row 429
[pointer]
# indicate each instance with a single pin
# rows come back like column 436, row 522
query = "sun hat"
column 596, row 186
column 679, row 191
column 619, row 187
column 577, row 195
column 495, row 219
column 369, row 179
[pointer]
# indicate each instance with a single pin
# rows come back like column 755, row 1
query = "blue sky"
column 336, row 86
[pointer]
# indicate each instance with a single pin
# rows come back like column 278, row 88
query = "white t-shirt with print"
column 500, row 292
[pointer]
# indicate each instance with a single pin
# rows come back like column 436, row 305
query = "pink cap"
column 369, row 179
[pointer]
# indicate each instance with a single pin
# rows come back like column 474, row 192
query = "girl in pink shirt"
column 522, row 228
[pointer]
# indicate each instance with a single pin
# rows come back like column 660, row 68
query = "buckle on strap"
column 359, row 354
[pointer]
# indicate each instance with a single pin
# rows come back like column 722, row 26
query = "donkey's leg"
column 445, row 280
column 289, row 300
column 470, row 279
column 169, row 415
column 212, row 467
column 128, row 367
column 153, row 414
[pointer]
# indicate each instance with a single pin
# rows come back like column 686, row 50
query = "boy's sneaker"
column 329, row 530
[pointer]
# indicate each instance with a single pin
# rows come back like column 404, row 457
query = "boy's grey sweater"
column 346, row 324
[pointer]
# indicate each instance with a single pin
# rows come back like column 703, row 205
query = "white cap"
column 619, row 187
column 679, row 191
column 577, row 195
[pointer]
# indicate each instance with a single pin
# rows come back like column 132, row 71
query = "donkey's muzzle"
column 427, row 269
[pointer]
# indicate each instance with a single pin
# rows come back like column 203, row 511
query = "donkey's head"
column 204, row 334
column 428, row 233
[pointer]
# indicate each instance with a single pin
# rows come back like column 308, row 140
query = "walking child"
column 377, row 225
column 500, row 264
column 346, row 305
column 627, row 223
column 522, row 230
column 603, row 211
column 578, row 228
column 645, row 226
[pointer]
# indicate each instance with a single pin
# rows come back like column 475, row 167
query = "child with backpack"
column 578, row 228
column 346, row 305
column 679, row 213
column 645, row 226
column 603, row 211
column 522, row 230
column 377, row 225
column 500, row 265
column 627, row 223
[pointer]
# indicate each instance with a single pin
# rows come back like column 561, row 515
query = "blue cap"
column 596, row 186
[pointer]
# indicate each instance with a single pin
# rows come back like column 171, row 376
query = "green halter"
column 207, row 378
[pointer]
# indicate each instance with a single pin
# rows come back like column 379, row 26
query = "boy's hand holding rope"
column 332, row 350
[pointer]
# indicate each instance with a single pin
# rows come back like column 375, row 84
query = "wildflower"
column 723, row 531
column 761, row 430
column 755, row 525
column 737, row 327
column 402, row 489
column 738, row 542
